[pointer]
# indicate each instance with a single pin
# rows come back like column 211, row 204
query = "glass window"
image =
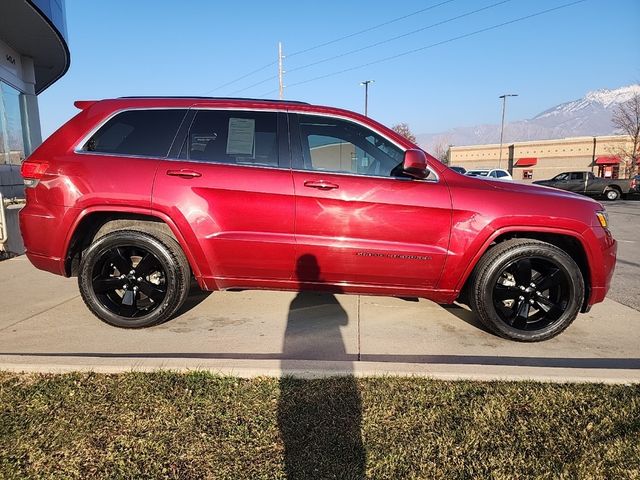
column 12, row 149
column 242, row 138
column 577, row 176
column 501, row 174
column 137, row 132
column 334, row 145
column 561, row 177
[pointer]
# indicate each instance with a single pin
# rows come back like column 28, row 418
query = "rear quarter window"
column 137, row 132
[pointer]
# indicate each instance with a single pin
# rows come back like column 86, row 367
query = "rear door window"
column 147, row 133
column 233, row 137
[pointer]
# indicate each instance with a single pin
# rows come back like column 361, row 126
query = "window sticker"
column 241, row 136
column 200, row 141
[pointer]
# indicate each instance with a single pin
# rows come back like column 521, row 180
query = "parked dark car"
column 461, row 170
column 137, row 196
column 588, row 184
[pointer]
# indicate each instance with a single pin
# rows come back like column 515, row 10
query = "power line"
column 351, row 35
column 382, row 42
column 240, row 78
column 273, row 77
column 315, row 47
column 366, row 47
column 415, row 50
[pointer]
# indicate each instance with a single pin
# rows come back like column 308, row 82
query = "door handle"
column 320, row 184
column 184, row 173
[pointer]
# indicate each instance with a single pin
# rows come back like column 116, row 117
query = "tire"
column 131, row 279
column 612, row 194
column 526, row 290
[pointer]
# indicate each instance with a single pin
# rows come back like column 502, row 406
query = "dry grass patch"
column 168, row 425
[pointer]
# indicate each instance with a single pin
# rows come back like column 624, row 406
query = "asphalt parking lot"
column 44, row 326
column 625, row 225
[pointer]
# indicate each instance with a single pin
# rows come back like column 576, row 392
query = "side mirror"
column 415, row 163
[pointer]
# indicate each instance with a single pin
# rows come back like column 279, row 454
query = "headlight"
column 603, row 218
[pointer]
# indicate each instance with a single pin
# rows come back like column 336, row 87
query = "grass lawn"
column 197, row 425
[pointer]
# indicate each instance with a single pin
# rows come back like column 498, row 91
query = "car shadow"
column 319, row 419
column 467, row 316
column 195, row 297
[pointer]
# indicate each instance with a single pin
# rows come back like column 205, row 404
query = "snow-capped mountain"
column 586, row 116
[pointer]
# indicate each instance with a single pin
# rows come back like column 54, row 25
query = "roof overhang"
column 607, row 160
column 32, row 33
column 526, row 162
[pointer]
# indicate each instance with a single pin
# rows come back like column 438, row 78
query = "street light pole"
column 504, row 107
column 366, row 95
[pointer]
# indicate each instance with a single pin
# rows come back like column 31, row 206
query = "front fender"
column 460, row 263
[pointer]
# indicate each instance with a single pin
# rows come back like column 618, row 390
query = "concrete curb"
column 317, row 369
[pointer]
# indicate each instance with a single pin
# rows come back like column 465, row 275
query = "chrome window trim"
column 347, row 174
column 77, row 148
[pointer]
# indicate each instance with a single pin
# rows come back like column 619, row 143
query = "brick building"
column 542, row 159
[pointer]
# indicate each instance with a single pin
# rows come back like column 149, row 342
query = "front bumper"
column 603, row 266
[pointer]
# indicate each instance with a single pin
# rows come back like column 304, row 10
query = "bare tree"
column 404, row 130
column 626, row 117
column 441, row 152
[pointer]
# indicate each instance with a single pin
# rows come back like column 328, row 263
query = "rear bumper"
column 44, row 234
column 49, row 264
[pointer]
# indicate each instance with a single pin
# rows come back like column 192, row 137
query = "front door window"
column 334, row 145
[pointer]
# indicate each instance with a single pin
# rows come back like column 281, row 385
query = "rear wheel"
column 612, row 194
column 527, row 290
column 132, row 279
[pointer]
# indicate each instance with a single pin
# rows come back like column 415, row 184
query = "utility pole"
column 504, row 107
column 366, row 95
column 280, row 71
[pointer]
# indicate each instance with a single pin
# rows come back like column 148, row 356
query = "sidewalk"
column 45, row 327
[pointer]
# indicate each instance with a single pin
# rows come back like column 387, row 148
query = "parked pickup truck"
column 587, row 183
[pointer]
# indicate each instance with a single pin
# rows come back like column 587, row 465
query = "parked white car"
column 492, row 173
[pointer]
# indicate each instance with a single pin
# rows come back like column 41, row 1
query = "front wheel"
column 527, row 290
column 612, row 194
column 132, row 279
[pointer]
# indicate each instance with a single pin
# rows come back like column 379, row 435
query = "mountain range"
column 587, row 116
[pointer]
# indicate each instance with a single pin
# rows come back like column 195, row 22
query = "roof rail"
column 217, row 98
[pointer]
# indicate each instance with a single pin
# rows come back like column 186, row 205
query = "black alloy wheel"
column 129, row 281
column 531, row 293
column 526, row 290
column 132, row 279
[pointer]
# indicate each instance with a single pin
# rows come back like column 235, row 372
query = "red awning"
column 607, row 160
column 526, row 162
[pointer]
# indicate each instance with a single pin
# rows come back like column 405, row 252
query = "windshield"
column 478, row 173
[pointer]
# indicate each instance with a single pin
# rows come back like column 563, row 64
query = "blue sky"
column 161, row 47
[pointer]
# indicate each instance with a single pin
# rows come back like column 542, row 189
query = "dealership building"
column 33, row 55
column 543, row 159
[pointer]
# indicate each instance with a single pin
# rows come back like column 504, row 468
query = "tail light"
column 32, row 171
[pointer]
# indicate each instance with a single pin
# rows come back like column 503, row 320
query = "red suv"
column 137, row 196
